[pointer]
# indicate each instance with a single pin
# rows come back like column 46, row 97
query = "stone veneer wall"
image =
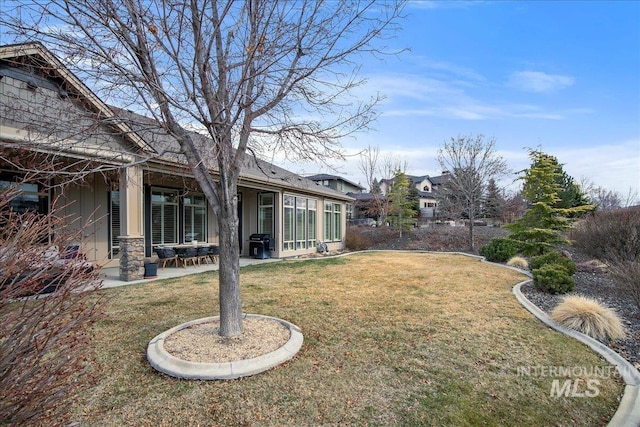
column 131, row 258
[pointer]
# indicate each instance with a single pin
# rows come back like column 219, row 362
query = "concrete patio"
column 111, row 275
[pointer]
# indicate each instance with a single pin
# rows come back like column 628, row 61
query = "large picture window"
column 195, row 218
column 332, row 222
column 299, row 222
column 164, row 216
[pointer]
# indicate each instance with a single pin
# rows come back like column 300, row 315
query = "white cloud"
column 537, row 81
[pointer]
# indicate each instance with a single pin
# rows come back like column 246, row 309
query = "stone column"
column 131, row 224
column 131, row 258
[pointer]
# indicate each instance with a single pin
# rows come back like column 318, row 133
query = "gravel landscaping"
column 597, row 283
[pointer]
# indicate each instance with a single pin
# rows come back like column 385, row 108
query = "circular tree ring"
column 161, row 360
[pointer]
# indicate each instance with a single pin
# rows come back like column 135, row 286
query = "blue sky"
column 560, row 76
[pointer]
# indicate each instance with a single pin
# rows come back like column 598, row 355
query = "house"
column 338, row 183
column 138, row 189
column 427, row 187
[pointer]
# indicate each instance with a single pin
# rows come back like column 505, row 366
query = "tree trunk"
column 229, row 273
column 472, row 218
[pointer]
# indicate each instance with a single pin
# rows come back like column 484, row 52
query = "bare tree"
column 471, row 163
column 253, row 76
column 45, row 311
column 605, row 199
column 368, row 164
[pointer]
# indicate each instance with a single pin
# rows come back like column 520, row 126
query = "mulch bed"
column 598, row 284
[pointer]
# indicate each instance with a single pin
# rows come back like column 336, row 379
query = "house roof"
column 363, row 197
column 254, row 170
column 325, row 176
column 435, row 180
column 36, row 52
column 147, row 135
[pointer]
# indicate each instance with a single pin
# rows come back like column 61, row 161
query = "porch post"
column 131, row 239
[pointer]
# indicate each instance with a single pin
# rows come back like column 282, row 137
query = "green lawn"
column 390, row 339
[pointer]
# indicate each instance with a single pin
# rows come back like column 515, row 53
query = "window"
column 337, row 223
column 195, row 218
column 164, row 216
column 289, row 223
column 349, row 211
column 311, row 222
column 29, row 198
column 265, row 213
column 114, row 219
column 332, row 222
column 300, row 221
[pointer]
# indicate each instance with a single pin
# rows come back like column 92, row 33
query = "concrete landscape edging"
column 161, row 360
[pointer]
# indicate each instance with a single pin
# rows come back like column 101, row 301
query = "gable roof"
column 325, row 176
column 147, row 134
column 36, row 53
column 253, row 170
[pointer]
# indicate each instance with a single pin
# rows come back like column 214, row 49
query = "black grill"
column 260, row 245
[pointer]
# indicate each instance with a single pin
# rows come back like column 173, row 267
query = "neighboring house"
column 337, row 183
column 427, row 187
column 140, row 193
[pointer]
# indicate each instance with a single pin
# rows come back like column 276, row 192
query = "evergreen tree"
column 539, row 229
column 414, row 197
column 401, row 212
column 375, row 187
column 495, row 203
column 570, row 194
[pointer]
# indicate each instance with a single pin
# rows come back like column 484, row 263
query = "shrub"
column 592, row 266
column 588, row 316
column 552, row 278
column 45, row 342
column 499, row 250
column 356, row 240
column 554, row 258
column 518, row 262
column 628, row 273
column 609, row 235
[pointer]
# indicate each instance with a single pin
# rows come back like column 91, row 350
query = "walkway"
column 111, row 275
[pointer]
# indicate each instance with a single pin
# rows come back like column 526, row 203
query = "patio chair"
column 166, row 255
column 213, row 253
column 187, row 255
column 203, row 254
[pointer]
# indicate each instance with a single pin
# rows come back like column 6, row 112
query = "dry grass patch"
column 390, row 338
